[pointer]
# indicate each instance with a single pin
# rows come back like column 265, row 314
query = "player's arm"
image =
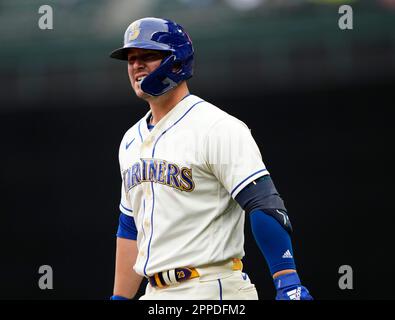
column 272, row 229
column 127, row 281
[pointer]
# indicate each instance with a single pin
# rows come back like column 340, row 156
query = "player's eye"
column 151, row 56
column 146, row 57
column 131, row 60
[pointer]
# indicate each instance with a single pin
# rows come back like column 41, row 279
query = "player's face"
column 141, row 62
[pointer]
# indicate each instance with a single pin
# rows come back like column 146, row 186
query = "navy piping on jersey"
column 220, row 289
column 142, row 225
column 235, row 188
column 141, row 137
column 153, row 151
column 150, row 127
column 152, row 227
column 186, row 96
column 152, row 184
column 126, row 208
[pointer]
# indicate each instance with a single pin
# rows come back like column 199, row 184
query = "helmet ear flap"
column 162, row 79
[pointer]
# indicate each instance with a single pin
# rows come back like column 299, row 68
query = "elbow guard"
column 262, row 195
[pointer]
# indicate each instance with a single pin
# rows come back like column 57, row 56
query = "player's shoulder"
column 132, row 134
column 210, row 115
column 132, row 131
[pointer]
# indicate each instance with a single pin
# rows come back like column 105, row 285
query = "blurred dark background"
column 318, row 101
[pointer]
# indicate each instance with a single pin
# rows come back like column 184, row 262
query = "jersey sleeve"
column 233, row 155
column 124, row 204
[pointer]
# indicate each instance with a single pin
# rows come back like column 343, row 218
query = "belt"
column 177, row 275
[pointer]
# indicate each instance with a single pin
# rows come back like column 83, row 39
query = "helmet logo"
column 134, row 31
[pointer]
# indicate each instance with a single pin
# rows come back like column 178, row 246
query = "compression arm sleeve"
column 269, row 223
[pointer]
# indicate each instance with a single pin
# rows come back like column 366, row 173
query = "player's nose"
column 139, row 63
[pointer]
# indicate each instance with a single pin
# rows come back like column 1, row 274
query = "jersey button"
column 146, row 223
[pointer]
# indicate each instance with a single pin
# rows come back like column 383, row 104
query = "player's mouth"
column 139, row 79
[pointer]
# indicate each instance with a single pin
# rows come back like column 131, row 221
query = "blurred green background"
column 243, row 45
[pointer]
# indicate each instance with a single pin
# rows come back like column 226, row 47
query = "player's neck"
column 161, row 105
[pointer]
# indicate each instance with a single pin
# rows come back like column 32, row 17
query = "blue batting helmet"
column 163, row 35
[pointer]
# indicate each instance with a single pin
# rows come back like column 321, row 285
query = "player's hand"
column 288, row 287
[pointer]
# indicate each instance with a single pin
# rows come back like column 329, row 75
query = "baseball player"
column 190, row 172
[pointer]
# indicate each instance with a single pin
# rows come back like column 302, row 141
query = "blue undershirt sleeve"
column 127, row 227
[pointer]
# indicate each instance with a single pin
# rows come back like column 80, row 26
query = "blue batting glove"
column 288, row 287
column 118, row 298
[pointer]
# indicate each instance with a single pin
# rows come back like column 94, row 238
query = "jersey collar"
column 169, row 119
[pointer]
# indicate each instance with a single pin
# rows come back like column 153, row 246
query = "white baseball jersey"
column 179, row 182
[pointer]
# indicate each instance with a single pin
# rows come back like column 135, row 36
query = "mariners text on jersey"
column 159, row 171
